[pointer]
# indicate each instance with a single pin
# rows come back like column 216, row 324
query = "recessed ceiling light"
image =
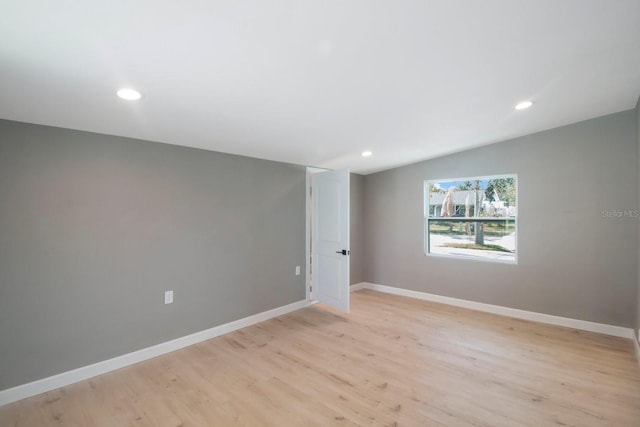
column 129, row 94
column 367, row 153
column 524, row 105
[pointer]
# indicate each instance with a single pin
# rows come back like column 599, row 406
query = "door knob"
column 343, row 252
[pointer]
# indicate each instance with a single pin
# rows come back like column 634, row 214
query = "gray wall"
column 637, row 325
column 94, row 229
column 356, row 227
column 572, row 261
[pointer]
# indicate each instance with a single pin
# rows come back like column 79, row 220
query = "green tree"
column 505, row 188
column 466, row 186
column 435, row 189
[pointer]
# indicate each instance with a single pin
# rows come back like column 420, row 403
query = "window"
column 472, row 218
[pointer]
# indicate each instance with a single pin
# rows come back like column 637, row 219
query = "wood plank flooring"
column 393, row 361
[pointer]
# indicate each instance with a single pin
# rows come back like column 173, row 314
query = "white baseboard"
column 358, row 286
column 66, row 378
column 584, row 325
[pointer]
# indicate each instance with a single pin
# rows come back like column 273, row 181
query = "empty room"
column 320, row 213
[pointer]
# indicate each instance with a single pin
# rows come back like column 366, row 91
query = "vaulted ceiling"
column 318, row 82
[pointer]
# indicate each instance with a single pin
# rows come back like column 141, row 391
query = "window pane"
column 497, row 240
column 472, row 217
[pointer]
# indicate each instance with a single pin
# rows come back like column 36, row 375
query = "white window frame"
column 427, row 218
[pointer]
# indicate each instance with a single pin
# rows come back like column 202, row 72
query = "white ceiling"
column 318, row 82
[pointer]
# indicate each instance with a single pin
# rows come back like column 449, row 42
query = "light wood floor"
column 393, row 361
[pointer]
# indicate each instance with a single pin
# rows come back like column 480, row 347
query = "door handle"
column 343, row 252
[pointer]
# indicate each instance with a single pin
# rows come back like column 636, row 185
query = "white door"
column 330, row 238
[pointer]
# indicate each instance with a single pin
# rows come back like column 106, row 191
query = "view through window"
column 472, row 217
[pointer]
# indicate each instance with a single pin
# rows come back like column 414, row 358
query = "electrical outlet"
column 168, row 297
column 297, row 270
